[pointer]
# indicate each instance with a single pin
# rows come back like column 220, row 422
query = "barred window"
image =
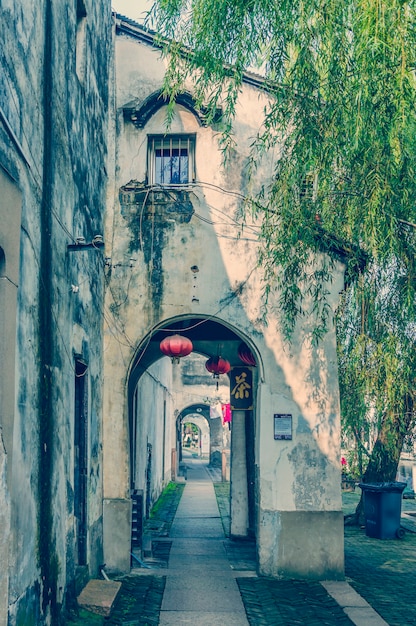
column 171, row 159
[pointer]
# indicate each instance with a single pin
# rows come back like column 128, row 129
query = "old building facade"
column 180, row 264
column 54, row 107
column 116, row 232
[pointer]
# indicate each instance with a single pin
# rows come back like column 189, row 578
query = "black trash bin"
column 382, row 509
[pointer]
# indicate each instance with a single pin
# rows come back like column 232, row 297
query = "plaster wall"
column 53, row 134
column 10, row 209
column 154, row 401
column 149, row 436
column 5, row 535
column 298, row 476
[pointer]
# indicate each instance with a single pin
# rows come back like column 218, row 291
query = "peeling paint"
column 309, row 468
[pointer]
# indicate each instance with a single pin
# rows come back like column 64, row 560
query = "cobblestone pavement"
column 138, row 602
column 383, row 572
column 270, row 602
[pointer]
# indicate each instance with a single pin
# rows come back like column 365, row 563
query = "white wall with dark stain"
column 297, row 481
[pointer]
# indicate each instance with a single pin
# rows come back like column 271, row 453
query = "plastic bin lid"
column 392, row 486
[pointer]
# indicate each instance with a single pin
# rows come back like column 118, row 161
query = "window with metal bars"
column 171, row 159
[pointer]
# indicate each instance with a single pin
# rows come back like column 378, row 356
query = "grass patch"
column 85, row 618
column 169, row 498
column 222, row 493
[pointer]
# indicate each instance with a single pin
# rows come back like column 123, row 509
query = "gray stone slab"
column 194, row 518
column 98, row 596
column 205, row 547
column 194, row 598
column 344, row 594
column 203, row 584
column 200, row 587
column 205, row 531
column 354, row 605
column 191, row 511
column 170, row 618
column 364, row 617
column 195, row 564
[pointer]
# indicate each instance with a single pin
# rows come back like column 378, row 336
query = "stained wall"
column 297, row 491
column 54, row 101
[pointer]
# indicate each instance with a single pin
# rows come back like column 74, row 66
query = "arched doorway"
column 195, row 436
column 156, row 392
column 280, row 486
column 212, row 418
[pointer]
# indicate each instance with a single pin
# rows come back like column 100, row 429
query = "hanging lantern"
column 246, row 355
column 176, row 346
column 216, row 365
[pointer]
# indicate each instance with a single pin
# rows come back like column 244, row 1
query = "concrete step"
column 98, row 596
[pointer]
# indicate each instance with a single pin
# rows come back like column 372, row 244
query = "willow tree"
column 341, row 79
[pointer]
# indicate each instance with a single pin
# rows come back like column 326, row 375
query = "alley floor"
column 198, row 576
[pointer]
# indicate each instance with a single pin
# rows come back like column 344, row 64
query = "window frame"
column 168, row 141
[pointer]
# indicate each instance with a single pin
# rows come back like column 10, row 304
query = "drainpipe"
column 48, row 561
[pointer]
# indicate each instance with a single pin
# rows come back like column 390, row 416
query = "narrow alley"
column 201, row 586
column 198, row 575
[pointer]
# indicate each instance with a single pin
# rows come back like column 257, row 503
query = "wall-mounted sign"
column 282, row 426
column 241, row 389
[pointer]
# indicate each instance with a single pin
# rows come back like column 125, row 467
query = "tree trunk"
column 385, row 457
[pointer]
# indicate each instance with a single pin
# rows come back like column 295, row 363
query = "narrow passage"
column 200, row 588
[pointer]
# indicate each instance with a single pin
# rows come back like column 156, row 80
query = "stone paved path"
column 201, row 589
column 200, row 584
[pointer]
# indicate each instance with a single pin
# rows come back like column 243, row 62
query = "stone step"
column 98, row 596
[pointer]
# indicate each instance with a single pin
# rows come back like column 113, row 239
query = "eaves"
column 127, row 26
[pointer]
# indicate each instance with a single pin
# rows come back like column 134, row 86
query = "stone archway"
column 195, row 413
column 152, row 423
column 257, row 488
column 195, row 436
column 182, row 261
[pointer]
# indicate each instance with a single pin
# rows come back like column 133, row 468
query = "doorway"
column 81, row 459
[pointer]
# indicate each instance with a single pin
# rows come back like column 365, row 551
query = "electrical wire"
column 200, row 184
column 211, row 223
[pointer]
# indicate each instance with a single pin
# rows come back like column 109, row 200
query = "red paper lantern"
column 176, row 346
column 246, row 355
column 216, row 365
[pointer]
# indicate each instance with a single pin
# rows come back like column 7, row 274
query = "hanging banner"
column 241, row 389
column 215, row 410
column 226, row 413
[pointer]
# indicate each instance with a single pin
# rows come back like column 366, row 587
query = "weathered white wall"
column 5, row 534
column 153, row 401
column 298, row 481
column 53, row 136
column 10, row 211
